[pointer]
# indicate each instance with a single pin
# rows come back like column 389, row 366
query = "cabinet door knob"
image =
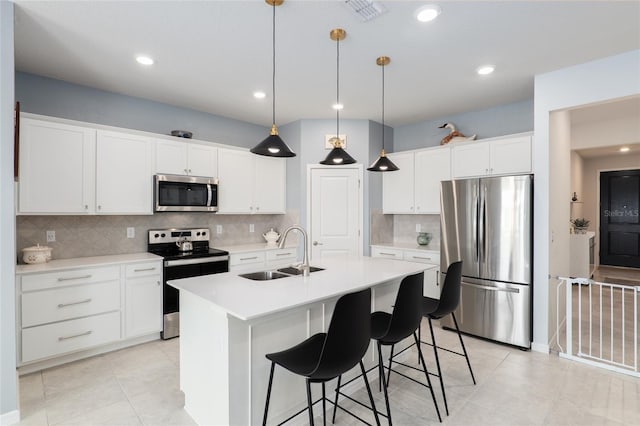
column 315, row 243
column 189, row 171
column 257, row 208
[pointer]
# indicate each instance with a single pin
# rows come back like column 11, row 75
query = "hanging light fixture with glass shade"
column 273, row 145
column 383, row 163
column 337, row 156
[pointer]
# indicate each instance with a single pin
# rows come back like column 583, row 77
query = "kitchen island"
column 228, row 323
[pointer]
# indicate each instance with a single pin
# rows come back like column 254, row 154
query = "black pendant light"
column 273, row 145
column 383, row 164
column 337, row 156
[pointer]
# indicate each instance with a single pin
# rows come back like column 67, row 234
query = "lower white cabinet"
column 431, row 277
column 66, row 310
column 143, row 299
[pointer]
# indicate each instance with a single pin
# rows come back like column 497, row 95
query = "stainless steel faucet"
column 305, row 259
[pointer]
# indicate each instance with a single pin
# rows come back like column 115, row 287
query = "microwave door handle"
column 209, row 195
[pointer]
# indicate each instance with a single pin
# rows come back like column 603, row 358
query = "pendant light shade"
column 337, row 156
column 383, row 163
column 273, row 145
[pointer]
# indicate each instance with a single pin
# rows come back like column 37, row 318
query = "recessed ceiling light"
column 428, row 13
column 625, row 149
column 337, row 106
column 485, row 69
column 259, row 95
column 144, row 60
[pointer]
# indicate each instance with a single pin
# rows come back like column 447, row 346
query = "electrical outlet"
column 218, row 229
column 418, row 227
column 51, row 236
column 131, row 232
column 252, row 228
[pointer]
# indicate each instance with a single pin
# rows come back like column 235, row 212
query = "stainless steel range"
column 186, row 253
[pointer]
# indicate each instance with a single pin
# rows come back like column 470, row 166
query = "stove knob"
column 198, row 234
column 204, row 233
column 156, row 235
column 163, row 235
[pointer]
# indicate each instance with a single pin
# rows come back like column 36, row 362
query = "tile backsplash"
column 401, row 228
column 81, row 236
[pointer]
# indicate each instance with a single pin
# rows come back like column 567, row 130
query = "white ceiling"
column 211, row 55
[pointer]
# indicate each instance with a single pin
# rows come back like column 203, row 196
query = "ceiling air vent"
column 365, row 9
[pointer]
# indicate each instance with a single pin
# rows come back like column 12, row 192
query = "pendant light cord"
column 338, row 89
column 382, row 107
column 273, row 75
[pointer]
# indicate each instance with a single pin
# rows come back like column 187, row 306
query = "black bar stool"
column 325, row 356
column 389, row 329
column 436, row 309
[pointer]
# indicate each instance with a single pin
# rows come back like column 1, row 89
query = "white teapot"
column 271, row 236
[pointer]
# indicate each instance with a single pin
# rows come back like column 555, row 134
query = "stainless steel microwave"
column 176, row 193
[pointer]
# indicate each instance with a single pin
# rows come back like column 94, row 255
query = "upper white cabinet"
column 186, row 158
column 57, row 172
column 503, row 156
column 415, row 188
column 123, row 173
column 250, row 183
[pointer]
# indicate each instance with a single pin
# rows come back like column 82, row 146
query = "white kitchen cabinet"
column 57, row 168
column 430, row 257
column 186, row 158
column 262, row 259
column 510, row 155
column 431, row 167
column 249, row 183
column 415, row 188
column 582, row 263
column 123, row 173
column 143, row 295
column 398, row 186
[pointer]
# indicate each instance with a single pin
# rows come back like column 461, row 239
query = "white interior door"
column 335, row 211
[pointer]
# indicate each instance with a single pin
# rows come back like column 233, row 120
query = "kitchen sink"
column 264, row 275
column 295, row 271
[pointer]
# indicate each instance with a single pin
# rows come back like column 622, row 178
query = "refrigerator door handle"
column 490, row 288
column 482, row 242
column 476, row 203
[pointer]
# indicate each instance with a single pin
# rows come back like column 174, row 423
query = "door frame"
column 596, row 249
column 360, row 170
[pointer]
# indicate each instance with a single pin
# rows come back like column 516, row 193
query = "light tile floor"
column 140, row 386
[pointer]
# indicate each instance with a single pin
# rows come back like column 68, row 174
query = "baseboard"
column 539, row 347
column 10, row 418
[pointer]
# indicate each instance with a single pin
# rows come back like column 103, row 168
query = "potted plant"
column 580, row 225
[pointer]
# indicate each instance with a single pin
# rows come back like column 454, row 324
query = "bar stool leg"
column 435, row 352
column 463, row 348
column 390, row 359
column 366, row 383
column 383, row 378
column 266, row 405
column 335, row 404
column 309, row 402
column 426, row 373
column 324, row 407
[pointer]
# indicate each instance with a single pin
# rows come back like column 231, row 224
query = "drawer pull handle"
column 420, row 257
column 86, row 333
column 74, row 278
column 283, row 254
column 144, row 269
column 249, row 258
column 64, row 305
column 387, row 254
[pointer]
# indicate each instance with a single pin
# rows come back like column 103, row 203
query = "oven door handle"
column 199, row 260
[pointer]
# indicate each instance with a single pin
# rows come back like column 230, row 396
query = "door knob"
column 315, row 243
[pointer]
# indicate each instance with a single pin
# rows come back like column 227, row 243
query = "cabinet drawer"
column 246, row 258
column 282, row 254
column 68, row 336
column 144, row 269
column 59, row 304
column 32, row 282
column 388, row 253
column 422, row 257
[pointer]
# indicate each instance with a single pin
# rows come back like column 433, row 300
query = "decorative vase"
column 580, row 229
column 424, row 238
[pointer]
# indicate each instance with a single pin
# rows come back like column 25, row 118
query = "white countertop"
column 247, row 299
column 245, row 248
column 83, row 262
column 409, row 246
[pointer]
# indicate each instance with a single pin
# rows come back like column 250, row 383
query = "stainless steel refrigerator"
column 487, row 223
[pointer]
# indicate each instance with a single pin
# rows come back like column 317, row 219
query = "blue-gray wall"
column 8, row 381
column 57, row 98
column 497, row 121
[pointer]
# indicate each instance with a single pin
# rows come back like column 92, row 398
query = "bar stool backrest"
column 407, row 310
column 348, row 336
column 450, row 296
